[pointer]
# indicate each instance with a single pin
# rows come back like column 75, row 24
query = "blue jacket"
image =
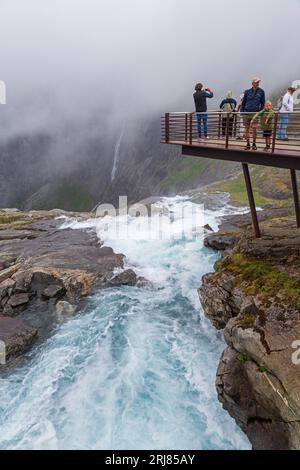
column 254, row 101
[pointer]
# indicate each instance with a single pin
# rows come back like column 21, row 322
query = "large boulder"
column 16, row 335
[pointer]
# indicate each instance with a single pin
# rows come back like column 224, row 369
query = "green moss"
column 9, row 218
column 70, row 197
column 247, row 321
column 264, row 279
column 230, row 233
column 263, row 370
column 244, row 358
column 237, row 191
column 185, row 170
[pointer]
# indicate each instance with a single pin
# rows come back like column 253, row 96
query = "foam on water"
column 137, row 371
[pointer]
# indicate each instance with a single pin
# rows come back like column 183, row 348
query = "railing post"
column 234, row 128
column 191, row 129
column 296, row 196
column 220, row 125
column 227, row 131
column 275, row 133
column 186, row 127
column 167, row 127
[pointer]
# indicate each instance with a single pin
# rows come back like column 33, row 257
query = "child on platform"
column 266, row 117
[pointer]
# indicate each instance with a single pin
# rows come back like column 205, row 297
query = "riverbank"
column 46, row 273
column 254, row 296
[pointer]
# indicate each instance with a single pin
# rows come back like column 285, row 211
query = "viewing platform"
column 225, row 141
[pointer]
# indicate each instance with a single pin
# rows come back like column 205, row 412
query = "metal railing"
column 228, row 130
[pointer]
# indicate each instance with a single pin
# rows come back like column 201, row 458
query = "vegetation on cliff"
column 254, row 295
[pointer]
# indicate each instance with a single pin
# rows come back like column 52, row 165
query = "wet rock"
column 7, row 309
column 216, row 298
column 208, row 228
column 41, row 281
column 126, row 278
column 18, row 300
column 54, row 291
column 6, row 288
column 15, row 234
column 220, row 242
column 259, row 420
column 143, row 283
column 7, row 273
column 22, row 282
column 16, row 335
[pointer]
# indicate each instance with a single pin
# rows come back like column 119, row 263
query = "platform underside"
column 285, row 156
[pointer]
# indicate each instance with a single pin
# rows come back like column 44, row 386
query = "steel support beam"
column 251, row 200
column 238, row 155
column 296, row 195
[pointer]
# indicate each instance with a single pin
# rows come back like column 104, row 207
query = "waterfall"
column 116, row 154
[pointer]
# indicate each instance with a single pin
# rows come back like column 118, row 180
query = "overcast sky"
column 63, row 60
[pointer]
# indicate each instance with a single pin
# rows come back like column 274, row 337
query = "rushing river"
column 136, row 371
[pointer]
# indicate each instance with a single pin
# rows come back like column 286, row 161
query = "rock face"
column 16, row 335
column 45, row 272
column 254, row 295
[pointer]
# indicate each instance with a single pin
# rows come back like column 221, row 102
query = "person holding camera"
column 200, row 97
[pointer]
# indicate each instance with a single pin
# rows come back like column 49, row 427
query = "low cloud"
column 64, row 61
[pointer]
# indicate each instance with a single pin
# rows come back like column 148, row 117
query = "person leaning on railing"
column 266, row 117
column 253, row 102
column 228, row 106
column 286, row 106
column 200, row 97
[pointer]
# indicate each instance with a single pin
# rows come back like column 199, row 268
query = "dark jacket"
column 254, row 101
column 230, row 101
column 200, row 98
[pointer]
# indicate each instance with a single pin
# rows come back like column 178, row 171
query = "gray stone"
column 19, row 300
column 208, row 228
column 7, row 273
column 126, row 278
column 6, row 287
column 54, row 291
column 220, row 242
column 23, row 282
column 16, row 335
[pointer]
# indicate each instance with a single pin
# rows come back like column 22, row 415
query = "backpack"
column 228, row 108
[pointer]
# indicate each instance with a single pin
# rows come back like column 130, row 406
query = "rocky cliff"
column 254, row 295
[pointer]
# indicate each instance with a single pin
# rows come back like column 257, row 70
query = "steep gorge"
column 255, row 295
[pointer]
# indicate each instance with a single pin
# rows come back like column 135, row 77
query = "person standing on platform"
column 286, row 107
column 266, row 117
column 200, row 97
column 253, row 102
column 228, row 107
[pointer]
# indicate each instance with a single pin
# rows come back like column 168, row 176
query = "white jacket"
column 287, row 103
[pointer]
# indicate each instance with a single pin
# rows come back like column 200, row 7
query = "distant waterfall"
column 116, row 154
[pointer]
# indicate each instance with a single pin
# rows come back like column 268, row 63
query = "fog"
column 64, row 61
